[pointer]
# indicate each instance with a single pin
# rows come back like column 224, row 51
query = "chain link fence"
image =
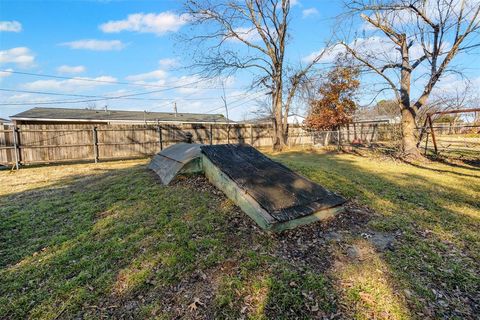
column 461, row 141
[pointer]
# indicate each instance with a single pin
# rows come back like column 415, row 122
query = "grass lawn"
column 107, row 240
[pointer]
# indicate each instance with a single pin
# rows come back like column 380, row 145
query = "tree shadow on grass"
column 118, row 244
column 40, row 217
column 115, row 244
column 437, row 255
column 420, row 166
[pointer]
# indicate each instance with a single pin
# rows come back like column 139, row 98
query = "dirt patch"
column 313, row 248
column 308, row 245
column 197, row 182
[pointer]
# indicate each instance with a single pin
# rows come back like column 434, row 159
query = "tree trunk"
column 409, row 139
column 409, row 114
column 278, row 132
column 278, row 129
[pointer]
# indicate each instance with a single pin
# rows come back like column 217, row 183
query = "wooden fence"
column 50, row 143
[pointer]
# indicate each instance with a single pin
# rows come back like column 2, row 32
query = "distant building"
column 295, row 119
column 5, row 121
column 64, row 115
column 292, row 119
column 376, row 119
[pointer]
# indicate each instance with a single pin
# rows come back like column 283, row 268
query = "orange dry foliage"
column 336, row 104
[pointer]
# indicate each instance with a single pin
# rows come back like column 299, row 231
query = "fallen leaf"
column 194, row 305
column 366, row 297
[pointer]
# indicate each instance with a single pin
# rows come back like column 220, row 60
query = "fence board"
column 43, row 143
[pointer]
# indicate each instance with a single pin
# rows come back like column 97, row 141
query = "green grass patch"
column 434, row 206
column 108, row 240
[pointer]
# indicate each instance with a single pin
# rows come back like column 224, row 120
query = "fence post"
column 338, row 139
column 160, row 137
column 228, row 133
column 210, row 134
column 251, row 135
column 15, row 146
column 95, row 144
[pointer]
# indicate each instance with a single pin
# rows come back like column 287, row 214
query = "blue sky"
column 102, row 40
column 66, row 38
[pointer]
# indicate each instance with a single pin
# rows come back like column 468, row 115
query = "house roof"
column 268, row 119
column 375, row 118
column 2, row 120
column 88, row 115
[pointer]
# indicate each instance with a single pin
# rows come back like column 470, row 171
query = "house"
column 78, row 116
column 371, row 119
column 294, row 119
column 4, row 121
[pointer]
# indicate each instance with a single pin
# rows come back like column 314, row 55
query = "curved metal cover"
column 169, row 162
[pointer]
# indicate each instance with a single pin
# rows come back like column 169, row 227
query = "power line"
column 111, row 81
column 256, row 96
column 76, row 95
column 51, row 93
column 240, row 105
column 94, row 98
column 232, row 103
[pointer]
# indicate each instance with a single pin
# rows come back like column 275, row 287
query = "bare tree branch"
column 439, row 28
column 261, row 27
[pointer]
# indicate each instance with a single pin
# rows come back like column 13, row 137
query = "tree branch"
column 372, row 67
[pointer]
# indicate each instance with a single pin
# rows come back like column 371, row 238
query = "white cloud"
column 329, row 55
column 309, row 12
column 157, row 23
column 70, row 69
column 376, row 48
column 5, row 74
column 294, row 3
column 453, row 84
column 367, row 26
column 382, row 48
column 10, row 26
column 68, row 85
column 249, row 34
column 20, row 56
column 152, row 75
column 187, row 80
column 434, row 10
column 23, row 97
column 196, row 85
column 95, row 45
column 168, row 63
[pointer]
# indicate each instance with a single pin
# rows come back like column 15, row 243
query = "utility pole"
column 175, row 108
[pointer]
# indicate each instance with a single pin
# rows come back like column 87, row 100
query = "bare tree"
column 420, row 35
column 443, row 100
column 383, row 108
column 261, row 27
column 91, row 106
